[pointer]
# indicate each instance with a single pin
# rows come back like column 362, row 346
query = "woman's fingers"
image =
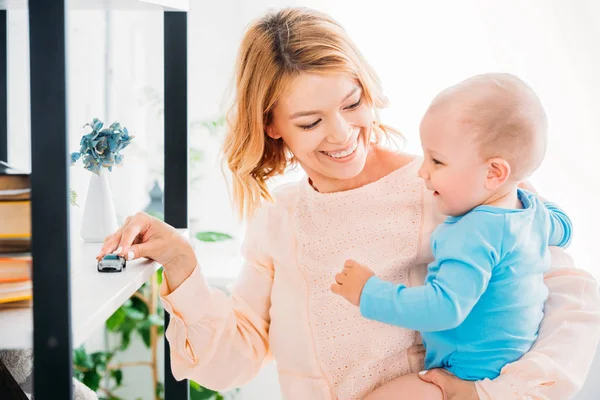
column 112, row 241
column 138, row 250
column 110, row 244
column 137, row 226
column 148, row 237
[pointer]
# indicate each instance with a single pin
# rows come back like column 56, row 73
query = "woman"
column 306, row 95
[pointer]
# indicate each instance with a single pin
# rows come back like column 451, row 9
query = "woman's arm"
column 559, row 361
column 217, row 340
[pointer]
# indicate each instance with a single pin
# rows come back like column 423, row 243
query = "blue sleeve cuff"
column 563, row 238
column 375, row 301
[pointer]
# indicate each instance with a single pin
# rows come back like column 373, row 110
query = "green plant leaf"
column 212, row 236
column 92, row 379
column 73, row 198
column 198, row 392
column 125, row 340
column 100, row 359
column 115, row 320
column 159, row 390
column 117, row 374
column 79, row 355
column 82, row 358
column 77, row 374
column 135, row 314
column 159, row 276
column 144, row 331
column 139, row 304
column 202, row 393
column 126, row 328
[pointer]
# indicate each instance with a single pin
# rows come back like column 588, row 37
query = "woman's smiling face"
column 326, row 124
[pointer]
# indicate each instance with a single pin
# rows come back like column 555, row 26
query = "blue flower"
column 102, row 147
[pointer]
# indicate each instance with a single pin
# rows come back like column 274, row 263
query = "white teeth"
column 345, row 153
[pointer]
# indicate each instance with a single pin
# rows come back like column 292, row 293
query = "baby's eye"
column 436, row 162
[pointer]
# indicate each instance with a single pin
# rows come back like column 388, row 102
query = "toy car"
column 112, row 263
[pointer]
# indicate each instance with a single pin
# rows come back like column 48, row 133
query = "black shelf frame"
column 52, row 337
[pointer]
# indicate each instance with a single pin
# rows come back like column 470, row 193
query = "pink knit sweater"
column 281, row 306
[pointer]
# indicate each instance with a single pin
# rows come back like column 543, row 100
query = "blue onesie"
column 484, row 294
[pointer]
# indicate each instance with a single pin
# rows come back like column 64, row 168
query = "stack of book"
column 15, row 238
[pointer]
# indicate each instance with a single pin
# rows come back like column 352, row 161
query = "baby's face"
column 452, row 167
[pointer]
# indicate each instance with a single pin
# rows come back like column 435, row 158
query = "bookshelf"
column 70, row 298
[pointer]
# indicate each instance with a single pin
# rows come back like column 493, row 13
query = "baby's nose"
column 423, row 173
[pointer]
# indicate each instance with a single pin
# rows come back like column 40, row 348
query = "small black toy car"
column 112, row 263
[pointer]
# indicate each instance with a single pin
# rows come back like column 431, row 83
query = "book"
column 15, row 194
column 15, row 245
column 27, row 303
column 15, row 267
column 15, row 291
column 16, row 219
column 15, row 209
column 12, row 178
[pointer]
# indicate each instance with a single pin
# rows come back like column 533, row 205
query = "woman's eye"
column 310, row 126
column 355, row 105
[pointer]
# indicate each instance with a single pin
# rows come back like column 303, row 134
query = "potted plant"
column 100, row 150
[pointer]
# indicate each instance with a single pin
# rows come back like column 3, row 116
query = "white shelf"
column 94, row 295
column 135, row 5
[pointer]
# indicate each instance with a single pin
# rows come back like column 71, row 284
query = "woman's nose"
column 340, row 131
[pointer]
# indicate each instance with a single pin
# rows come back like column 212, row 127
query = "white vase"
column 99, row 218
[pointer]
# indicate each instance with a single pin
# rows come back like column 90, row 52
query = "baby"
column 483, row 298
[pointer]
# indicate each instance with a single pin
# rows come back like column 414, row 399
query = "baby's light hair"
column 506, row 116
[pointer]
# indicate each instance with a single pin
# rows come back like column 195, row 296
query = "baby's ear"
column 498, row 173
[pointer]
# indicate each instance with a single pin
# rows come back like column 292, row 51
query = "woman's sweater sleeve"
column 220, row 340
